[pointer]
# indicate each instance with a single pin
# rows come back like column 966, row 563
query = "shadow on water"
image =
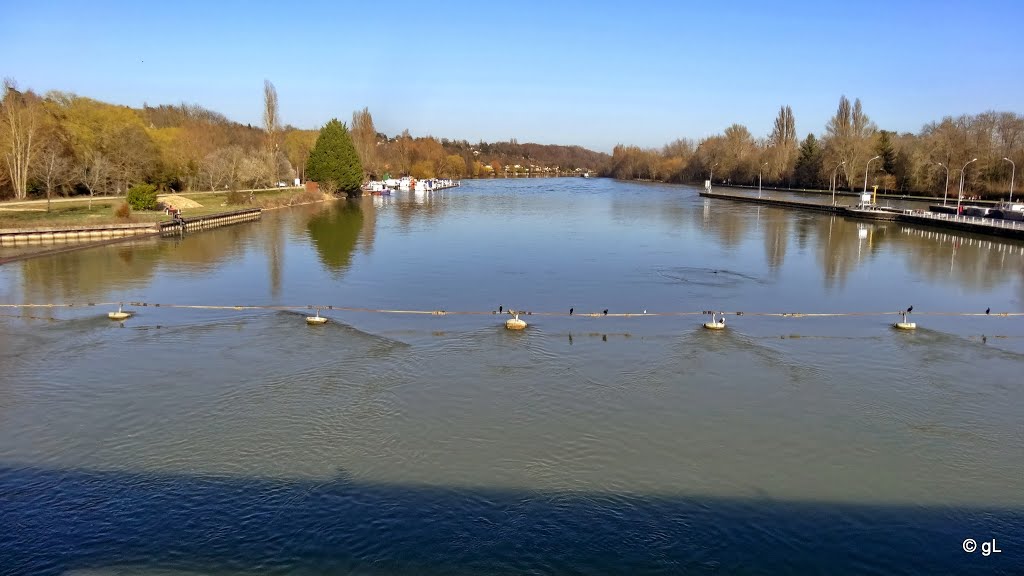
column 61, row 520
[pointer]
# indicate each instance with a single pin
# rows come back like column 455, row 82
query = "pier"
column 182, row 225
column 977, row 225
column 61, row 234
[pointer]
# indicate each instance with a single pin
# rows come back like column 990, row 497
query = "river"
column 244, row 441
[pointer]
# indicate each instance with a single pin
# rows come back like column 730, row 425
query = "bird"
column 499, row 309
column 605, row 311
column 645, row 311
column 910, row 309
column 570, row 311
column 988, row 310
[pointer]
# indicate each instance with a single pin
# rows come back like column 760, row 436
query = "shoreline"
column 152, row 230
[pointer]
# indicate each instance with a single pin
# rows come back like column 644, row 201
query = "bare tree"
column 364, row 136
column 19, row 121
column 782, row 144
column 271, row 123
column 54, row 170
column 95, row 174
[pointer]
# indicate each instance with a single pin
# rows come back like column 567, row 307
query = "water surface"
column 223, row 441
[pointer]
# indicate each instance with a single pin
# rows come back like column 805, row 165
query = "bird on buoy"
column 910, row 309
column 499, row 309
column 987, row 310
column 570, row 311
column 605, row 311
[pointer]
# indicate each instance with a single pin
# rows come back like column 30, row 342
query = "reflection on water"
column 246, row 441
column 334, row 233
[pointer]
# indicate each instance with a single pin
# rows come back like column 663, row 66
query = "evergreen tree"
column 809, row 163
column 334, row 162
column 886, row 151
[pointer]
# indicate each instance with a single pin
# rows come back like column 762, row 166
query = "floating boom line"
column 645, row 314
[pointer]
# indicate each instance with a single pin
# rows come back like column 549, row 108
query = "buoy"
column 119, row 315
column 715, row 324
column 318, row 319
column 904, row 325
column 515, row 323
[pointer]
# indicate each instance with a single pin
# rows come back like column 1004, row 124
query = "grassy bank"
column 79, row 213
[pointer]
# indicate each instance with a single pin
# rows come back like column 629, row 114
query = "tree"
column 782, row 145
column 454, row 167
column 885, row 149
column 297, row 145
column 809, row 164
column 95, row 174
column 849, row 138
column 423, row 169
column 19, row 123
column 54, row 170
column 334, row 158
column 364, row 137
column 271, row 125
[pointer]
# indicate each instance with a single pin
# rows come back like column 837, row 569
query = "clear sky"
column 590, row 73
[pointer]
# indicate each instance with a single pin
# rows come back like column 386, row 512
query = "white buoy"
column 715, row 324
column 515, row 323
column 119, row 315
column 904, row 325
column 316, row 320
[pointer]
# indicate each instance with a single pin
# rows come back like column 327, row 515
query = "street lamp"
column 834, row 181
column 711, row 176
column 866, row 173
column 945, row 190
column 759, row 179
column 1012, row 174
column 961, row 195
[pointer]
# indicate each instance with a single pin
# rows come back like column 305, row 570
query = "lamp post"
column 961, row 195
column 945, row 190
column 866, row 173
column 834, row 181
column 759, row 179
column 711, row 176
column 1013, row 173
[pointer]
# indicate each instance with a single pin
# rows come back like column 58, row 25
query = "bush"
column 123, row 211
column 142, row 197
column 236, row 198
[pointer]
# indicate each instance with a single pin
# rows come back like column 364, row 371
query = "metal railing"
column 992, row 222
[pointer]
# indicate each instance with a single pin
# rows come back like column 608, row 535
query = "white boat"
column 1007, row 211
column 872, row 211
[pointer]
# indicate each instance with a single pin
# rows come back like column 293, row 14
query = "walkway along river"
column 996, row 227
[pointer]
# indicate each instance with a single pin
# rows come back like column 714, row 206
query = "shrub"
column 142, row 197
column 236, row 198
column 123, row 211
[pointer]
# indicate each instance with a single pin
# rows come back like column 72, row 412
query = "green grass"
column 78, row 213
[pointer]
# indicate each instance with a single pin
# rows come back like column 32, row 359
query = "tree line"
column 906, row 163
column 60, row 143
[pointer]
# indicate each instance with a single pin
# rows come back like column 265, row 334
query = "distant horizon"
column 593, row 76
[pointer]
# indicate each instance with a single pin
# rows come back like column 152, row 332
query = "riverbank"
column 76, row 212
column 69, row 235
column 908, row 197
column 987, row 226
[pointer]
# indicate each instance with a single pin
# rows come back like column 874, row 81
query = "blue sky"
column 588, row 73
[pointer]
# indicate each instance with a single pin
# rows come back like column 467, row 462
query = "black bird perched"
column 987, row 310
column 570, row 311
column 499, row 309
column 910, row 309
column 605, row 311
